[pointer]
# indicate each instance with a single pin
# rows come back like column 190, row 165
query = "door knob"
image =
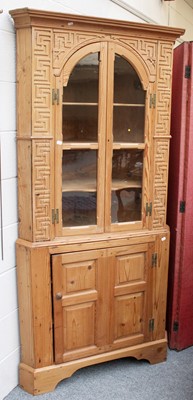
column 58, row 296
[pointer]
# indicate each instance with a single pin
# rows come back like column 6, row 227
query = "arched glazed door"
column 102, row 141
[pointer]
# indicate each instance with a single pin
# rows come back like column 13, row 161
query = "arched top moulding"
column 68, row 34
column 137, row 42
column 145, row 70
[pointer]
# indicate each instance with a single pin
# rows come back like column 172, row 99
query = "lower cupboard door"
column 80, row 316
column 132, row 310
column 102, row 300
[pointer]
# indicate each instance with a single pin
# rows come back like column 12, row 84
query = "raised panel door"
column 81, row 303
column 102, row 300
column 132, row 293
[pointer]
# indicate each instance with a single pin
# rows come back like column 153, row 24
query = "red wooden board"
column 180, row 287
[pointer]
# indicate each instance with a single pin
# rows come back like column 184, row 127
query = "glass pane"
column 126, row 205
column 83, row 82
column 127, row 173
column 80, row 123
column 127, row 85
column 79, row 177
column 78, row 209
column 128, row 124
column 129, row 103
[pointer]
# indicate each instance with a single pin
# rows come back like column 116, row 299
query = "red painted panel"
column 180, row 288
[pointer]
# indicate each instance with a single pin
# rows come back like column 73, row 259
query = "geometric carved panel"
column 42, row 189
column 160, row 182
column 145, row 49
column 65, row 41
column 162, row 128
column 164, row 76
column 41, row 82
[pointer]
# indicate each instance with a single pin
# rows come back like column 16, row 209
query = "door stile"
column 147, row 167
column 104, row 303
column 109, row 136
column 58, row 155
column 151, row 137
column 57, row 307
column 148, row 307
column 102, row 110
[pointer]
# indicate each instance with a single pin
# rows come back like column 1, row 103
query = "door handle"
column 58, row 296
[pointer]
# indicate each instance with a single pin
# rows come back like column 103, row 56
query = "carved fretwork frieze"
column 162, row 128
column 42, row 189
column 146, row 49
column 161, row 152
column 164, row 76
column 41, row 82
column 66, row 43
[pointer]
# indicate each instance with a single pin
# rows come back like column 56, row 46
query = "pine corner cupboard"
column 93, row 131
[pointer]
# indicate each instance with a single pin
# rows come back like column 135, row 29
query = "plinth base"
column 42, row 380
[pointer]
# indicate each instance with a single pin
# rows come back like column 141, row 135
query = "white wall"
column 177, row 13
column 9, row 336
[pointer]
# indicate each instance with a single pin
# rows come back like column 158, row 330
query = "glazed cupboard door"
column 80, row 129
column 102, row 142
column 127, row 181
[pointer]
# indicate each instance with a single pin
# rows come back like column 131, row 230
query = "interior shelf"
column 67, row 103
column 94, row 145
column 127, row 145
column 128, row 105
column 131, row 184
column 89, row 185
column 79, row 185
column 79, row 145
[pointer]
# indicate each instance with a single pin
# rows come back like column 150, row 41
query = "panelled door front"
column 102, row 300
column 81, row 303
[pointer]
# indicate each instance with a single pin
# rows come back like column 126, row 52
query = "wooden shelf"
column 118, row 184
column 89, row 185
column 94, row 146
column 137, row 146
column 79, row 145
column 66, row 103
column 128, row 105
column 79, row 185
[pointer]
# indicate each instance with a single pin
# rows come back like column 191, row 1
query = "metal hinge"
column 182, row 206
column 55, row 216
column 175, row 326
column 152, row 100
column 151, row 325
column 55, row 96
column 148, row 209
column 187, row 71
column 154, row 260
